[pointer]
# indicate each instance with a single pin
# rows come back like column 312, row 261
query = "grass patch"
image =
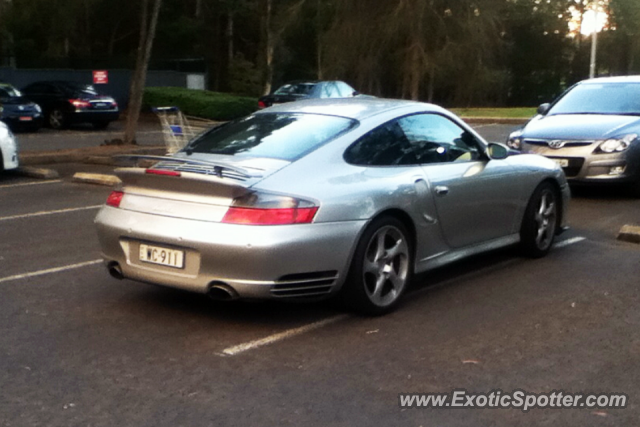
column 514, row 113
column 201, row 103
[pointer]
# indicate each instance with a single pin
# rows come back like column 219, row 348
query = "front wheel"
column 381, row 268
column 540, row 221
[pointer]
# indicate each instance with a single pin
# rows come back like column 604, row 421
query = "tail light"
column 269, row 209
column 115, row 198
column 261, row 104
column 80, row 103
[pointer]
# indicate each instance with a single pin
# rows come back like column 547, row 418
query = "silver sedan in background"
column 592, row 131
column 316, row 198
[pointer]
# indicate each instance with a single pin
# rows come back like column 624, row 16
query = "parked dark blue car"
column 18, row 112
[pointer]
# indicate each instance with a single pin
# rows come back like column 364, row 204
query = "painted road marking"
column 60, row 211
column 24, row 184
column 571, row 241
column 49, row 271
column 241, row 348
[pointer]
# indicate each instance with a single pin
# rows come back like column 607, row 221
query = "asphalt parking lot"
column 79, row 348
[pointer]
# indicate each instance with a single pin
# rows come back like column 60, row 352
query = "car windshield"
column 7, row 91
column 296, row 89
column 281, row 136
column 600, row 98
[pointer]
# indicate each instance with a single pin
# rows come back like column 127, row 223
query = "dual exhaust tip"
column 218, row 291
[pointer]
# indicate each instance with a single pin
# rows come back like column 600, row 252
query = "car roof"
column 617, row 79
column 352, row 108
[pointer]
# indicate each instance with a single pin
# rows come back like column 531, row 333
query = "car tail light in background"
column 261, row 104
column 270, row 209
column 115, row 198
column 80, row 103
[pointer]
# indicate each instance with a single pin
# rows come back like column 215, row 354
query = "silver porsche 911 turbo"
column 317, row 198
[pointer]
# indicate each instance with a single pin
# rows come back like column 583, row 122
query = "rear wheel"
column 540, row 221
column 57, row 119
column 381, row 268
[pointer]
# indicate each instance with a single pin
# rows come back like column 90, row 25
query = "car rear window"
column 600, row 98
column 283, row 136
column 295, row 89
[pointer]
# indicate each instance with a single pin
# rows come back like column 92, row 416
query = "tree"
column 148, row 24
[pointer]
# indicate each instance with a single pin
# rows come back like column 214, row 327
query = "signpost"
column 100, row 77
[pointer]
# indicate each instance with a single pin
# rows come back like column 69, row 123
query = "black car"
column 17, row 111
column 65, row 103
column 305, row 90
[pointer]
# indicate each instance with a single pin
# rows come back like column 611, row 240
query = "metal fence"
column 119, row 80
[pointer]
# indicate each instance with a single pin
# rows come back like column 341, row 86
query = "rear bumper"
column 307, row 260
column 15, row 122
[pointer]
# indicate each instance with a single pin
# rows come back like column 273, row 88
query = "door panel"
column 476, row 201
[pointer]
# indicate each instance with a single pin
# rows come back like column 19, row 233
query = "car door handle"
column 441, row 190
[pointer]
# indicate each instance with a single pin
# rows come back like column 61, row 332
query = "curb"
column 629, row 233
column 39, row 173
column 96, row 178
column 80, row 155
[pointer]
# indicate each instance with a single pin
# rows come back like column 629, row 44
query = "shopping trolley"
column 177, row 130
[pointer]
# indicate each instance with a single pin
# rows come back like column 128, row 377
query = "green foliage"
column 515, row 113
column 200, row 103
column 244, row 77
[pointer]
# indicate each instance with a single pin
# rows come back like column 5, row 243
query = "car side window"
column 384, row 146
column 436, row 139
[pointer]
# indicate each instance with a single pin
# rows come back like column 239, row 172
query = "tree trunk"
column 230, row 37
column 269, row 48
column 139, row 78
column 319, row 39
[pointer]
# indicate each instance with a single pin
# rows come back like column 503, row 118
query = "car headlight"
column 515, row 140
column 37, row 108
column 616, row 145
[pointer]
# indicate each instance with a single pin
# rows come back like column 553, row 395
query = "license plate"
column 26, row 119
column 563, row 163
column 162, row 256
column 100, row 105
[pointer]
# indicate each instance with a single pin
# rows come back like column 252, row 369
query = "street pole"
column 594, row 44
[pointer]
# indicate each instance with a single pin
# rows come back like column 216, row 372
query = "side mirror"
column 544, row 108
column 497, row 151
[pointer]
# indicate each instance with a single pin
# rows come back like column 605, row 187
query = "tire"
column 381, row 268
column 57, row 119
column 540, row 221
column 100, row 125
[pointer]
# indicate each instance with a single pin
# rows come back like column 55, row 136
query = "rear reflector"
column 115, row 198
column 162, row 172
column 251, row 216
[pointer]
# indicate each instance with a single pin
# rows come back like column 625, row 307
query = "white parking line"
column 571, row 241
column 241, row 348
column 49, row 270
column 250, row 345
column 24, row 184
column 42, row 213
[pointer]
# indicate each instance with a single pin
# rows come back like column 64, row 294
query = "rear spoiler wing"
column 217, row 167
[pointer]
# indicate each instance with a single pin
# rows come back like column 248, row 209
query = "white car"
column 8, row 149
